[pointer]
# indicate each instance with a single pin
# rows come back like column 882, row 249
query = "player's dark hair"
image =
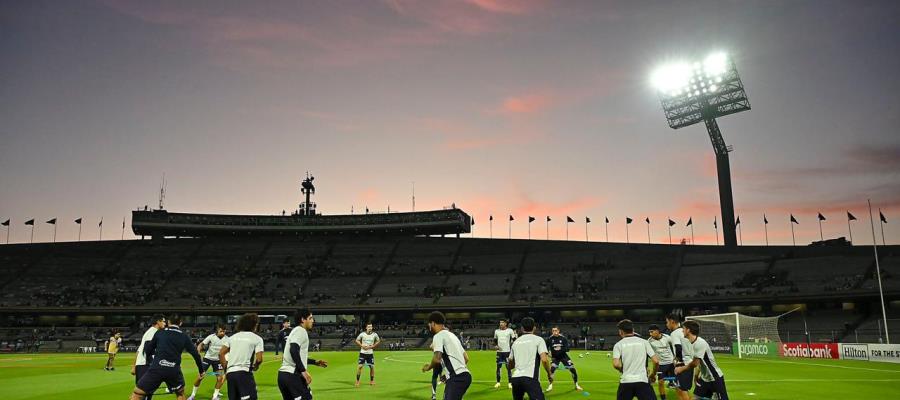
column 175, row 319
column 157, row 317
column 301, row 314
column 626, row 326
column 673, row 317
column 247, row 322
column 504, row 321
column 653, row 327
column 437, row 317
column 528, row 324
column 693, row 326
column 220, row 326
column 369, row 323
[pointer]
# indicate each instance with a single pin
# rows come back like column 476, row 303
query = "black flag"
column 738, row 221
column 530, row 219
column 821, row 217
column 78, row 221
column 715, row 223
column 473, row 221
column 671, row 223
column 511, row 217
column 569, row 219
column 881, row 214
column 765, row 220
column 607, row 220
column 587, row 220
column 548, row 218
column 690, row 221
column 5, row 223
column 627, row 220
column 52, row 221
column 101, row 222
column 30, row 222
column 490, row 218
column 647, row 220
column 794, row 220
column 850, row 217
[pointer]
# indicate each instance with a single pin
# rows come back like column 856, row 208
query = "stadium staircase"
column 673, row 274
column 384, row 267
column 519, row 272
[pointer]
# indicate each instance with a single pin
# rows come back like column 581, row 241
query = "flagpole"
column 79, row 232
column 741, row 235
column 585, row 231
column 887, row 336
column 54, row 232
column 548, row 228
column 607, row 231
column 692, row 234
column 670, row 231
column 32, row 233
column 491, row 225
column 793, row 239
column 716, row 227
column 567, row 229
column 529, row 230
column 766, row 227
column 881, row 223
column 626, row 233
column 850, row 229
column 821, row 237
column 123, row 227
column 648, row 233
column 101, row 230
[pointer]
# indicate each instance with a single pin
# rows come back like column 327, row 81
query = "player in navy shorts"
column 165, row 350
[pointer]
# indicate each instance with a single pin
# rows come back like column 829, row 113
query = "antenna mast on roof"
column 162, row 191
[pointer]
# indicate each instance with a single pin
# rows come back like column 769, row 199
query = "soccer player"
column 140, row 361
column 293, row 378
column 367, row 342
column 712, row 379
column 165, row 350
column 662, row 345
column 282, row 336
column 448, row 353
column 683, row 352
column 112, row 348
column 559, row 352
column 630, row 357
column 245, row 353
column 212, row 345
column 525, row 353
column 437, row 376
column 504, row 338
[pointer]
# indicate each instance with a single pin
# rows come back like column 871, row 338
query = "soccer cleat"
column 578, row 387
column 192, row 398
column 434, row 397
column 549, row 387
column 215, row 398
column 372, row 383
column 357, row 383
column 497, row 386
column 509, row 385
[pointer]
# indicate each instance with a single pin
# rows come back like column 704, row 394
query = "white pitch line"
column 827, row 365
column 405, row 361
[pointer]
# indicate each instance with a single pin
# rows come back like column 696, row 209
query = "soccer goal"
column 746, row 335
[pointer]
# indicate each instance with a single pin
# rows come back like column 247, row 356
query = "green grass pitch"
column 81, row 376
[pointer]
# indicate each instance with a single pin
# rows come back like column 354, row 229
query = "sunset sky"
column 501, row 107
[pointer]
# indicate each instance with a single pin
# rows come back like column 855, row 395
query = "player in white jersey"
column 525, row 355
column 712, row 379
column 662, row 345
column 449, row 354
column 211, row 345
column 630, row 357
column 245, row 353
column 141, row 363
column 683, row 353
column 504, row 338
column 367, row 342
column 293, row 378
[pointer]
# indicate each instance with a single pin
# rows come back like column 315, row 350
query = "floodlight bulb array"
column 692, row 79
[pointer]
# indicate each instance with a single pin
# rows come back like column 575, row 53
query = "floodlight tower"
column 704, row 90
column 308, row 189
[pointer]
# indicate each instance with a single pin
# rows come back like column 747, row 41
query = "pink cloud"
column 526, row 104
column 507, row 6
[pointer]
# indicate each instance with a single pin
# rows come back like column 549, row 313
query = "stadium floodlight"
column 701, row 91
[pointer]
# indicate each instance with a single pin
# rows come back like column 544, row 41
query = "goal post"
column 745, row 334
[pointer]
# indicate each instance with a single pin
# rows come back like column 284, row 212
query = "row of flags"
column 628, row 220
column 54, row 221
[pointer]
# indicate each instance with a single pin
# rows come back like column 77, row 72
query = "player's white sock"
column 194, row 391
column 216, row 393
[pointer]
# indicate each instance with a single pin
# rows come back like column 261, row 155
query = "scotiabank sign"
column 811, row 350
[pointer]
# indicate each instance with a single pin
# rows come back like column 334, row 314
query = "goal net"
column 740, row 334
